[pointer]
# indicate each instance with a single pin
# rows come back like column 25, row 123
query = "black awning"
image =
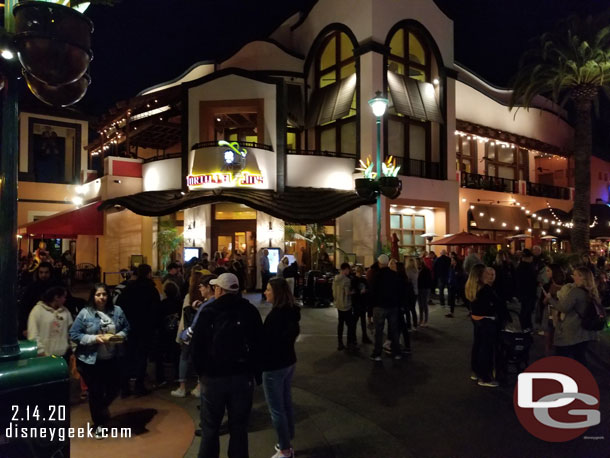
column 297, row 205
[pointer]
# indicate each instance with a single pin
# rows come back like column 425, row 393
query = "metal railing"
column 312, row 152
column 547, row 190
column 213, row 143
column 476, row 181
column 417, row 168
column 161, row 157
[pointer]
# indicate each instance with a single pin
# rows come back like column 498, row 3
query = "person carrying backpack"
column 226, row 348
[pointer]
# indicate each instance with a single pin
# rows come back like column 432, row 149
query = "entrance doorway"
column 234, row 230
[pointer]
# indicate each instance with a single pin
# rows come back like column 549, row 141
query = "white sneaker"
column 490, row 384
column 196, row 392
column 178, row 393
column 277, row 449
column 279, row 454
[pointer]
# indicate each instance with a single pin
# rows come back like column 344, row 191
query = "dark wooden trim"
column 184, row 121
column 41, row 201
column 78, row 146
column 320, row 38
column 371, row 45
column 509, row 137
column 451, row 73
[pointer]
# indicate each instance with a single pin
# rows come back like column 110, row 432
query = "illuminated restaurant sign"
column 231, row 173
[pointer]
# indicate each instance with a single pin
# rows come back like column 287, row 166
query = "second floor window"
column 506, row 161
column 466, row 154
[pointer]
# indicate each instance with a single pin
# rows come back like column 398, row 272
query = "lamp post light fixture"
column 378, row 104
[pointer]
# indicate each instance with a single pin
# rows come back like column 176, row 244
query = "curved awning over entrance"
column 295, row 204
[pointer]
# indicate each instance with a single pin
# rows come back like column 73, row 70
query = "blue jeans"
column 235, row 394
column 184, row 363
column 380, row 315
column 279, row 399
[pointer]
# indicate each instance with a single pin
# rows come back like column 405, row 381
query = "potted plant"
column 389, row 183
column 167, row 242
column 367, row 187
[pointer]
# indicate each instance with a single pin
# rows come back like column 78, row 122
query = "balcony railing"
column 475, row 181
column 312, row 152
column 213, row 143
column 546, row 190
column 161, row 157
column 417, row 168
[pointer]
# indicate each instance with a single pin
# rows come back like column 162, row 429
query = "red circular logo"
column 556, row 399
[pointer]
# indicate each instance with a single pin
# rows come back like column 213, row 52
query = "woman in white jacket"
column 49, row 322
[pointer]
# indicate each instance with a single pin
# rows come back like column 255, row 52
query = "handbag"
column 594, row 317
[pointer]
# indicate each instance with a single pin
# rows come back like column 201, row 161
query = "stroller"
column 514, row 347
column 318, row 291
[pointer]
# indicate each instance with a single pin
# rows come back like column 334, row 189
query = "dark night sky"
column 139, row 43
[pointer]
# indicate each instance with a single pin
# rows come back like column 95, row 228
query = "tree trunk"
column 582, row 175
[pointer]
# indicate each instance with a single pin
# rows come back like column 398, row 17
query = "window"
column 334, row 65
column 506, row 161
column 409, row 229
column 416, row 62
column 410, row 139
column 466, row 154
column 53, row 152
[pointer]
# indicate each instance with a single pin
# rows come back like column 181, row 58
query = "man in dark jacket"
column 441, row 274
column 226, row 355
column 526, row 284
column 386, row 297
column 140, row 301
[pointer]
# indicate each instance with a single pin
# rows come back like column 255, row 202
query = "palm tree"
column 570, row 64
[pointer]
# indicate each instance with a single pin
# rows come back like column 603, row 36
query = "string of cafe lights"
column 503, row 144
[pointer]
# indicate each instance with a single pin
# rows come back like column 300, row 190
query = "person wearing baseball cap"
column 226, row 348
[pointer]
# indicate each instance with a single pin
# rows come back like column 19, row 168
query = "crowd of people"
column 523, row 293
column 203, row 324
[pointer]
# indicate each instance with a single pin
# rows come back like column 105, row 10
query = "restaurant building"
column 241, row 154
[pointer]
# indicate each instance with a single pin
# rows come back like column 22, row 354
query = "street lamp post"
column 378, row 105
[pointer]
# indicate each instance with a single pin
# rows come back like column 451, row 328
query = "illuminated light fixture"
column 543, row 232
column 527, row 212
column 503, row 224
column 146, row 114
column 522, row 208
column 540, row 218
column 558, row 230
column 378, row 105
column 218, row 119
column 77, row 200
column 183, row 193
column 463, row 199
column 492, row 219
column 516, row 228
column 8, row 54
column 534, row 215
column 517, row 203
column 481, row 214
column 472, row 207
column 529, row 230
column 546, row 220
column 435, row 81
column 19, row 236
column 553, row 223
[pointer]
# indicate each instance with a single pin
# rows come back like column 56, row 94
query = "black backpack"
column 228, row 341
column 594, row 317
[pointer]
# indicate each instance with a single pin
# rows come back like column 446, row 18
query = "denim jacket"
column 86, row 327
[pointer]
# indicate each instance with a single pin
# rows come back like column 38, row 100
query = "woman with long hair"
column 571, row 339
column 281, row 329
column 483, row 305
column 191, row 303
column 99, row 330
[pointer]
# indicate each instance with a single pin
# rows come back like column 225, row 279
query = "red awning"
column 464, row 238
column 86, row 220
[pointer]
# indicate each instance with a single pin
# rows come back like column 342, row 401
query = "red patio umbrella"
column 464, row 238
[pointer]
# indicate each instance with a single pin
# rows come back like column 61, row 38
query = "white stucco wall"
column 249, row 58
column 320, row 172
column 162, row 175
column 474, row 106
column 233, row 87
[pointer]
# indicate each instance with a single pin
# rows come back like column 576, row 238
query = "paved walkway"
column 423, row 406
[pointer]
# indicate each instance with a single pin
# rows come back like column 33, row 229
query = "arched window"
column 413, row 115
column 332, row 106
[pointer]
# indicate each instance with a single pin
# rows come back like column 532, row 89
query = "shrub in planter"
column 390, row 186
column 366, row 187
